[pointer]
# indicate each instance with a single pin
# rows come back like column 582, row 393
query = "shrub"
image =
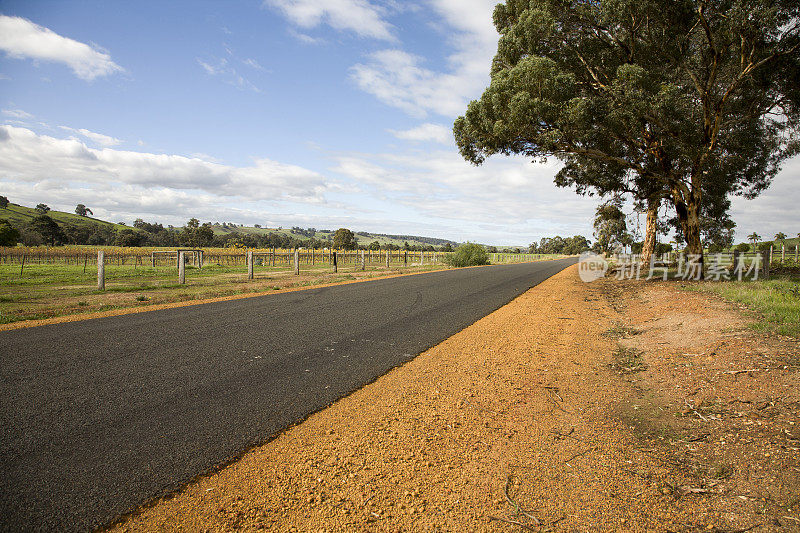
column 765, row 246
column 469, row 254
column 714, row 248
column 743, row 248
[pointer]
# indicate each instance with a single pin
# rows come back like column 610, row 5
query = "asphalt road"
column 100, row 416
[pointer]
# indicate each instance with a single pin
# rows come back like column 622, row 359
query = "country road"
column 100, row 416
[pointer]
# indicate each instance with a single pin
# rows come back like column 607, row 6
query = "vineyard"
column 44, row 282
column 159, row 257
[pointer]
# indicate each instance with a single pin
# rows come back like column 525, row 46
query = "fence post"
column 736, row 258
column 200, row 259
column 766, row 255
column 770, row 253
column 101, row 270
column 405, row 258
column 153, row 258
column 181, row 268
column 249, row 264
column 296, row 262
column 783, row 253
column 335, row 255
column 363, row 265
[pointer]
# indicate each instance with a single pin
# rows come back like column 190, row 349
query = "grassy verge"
column 776, row 301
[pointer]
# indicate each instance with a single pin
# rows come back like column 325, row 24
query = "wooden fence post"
column 181, row 268
column 249, row 264
column 766, row 255
column 783, row 253
column 296, row 262
column 387, row 258
column 405, row 258
column 335, row 255
column 363, row 265
column 101, row 270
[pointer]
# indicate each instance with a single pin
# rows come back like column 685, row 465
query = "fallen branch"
column 514, row 522
column 580, row 454
column 690, row 406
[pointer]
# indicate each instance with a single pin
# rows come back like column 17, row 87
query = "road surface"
column 100, row 416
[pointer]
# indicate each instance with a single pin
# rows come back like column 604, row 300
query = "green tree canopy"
column 42, row 209
column 82, row 210
column 3, row 202
column 344, row 239
column 49, row 230
column 9, row 235
column 668, row 97
column 610, row 227
column 780, row 236
column 195, row 234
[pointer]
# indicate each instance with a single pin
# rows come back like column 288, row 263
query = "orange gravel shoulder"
column 518, row 421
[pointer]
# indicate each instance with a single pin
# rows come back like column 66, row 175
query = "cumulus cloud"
column 508, row 197
column 426, row 132
column 98, row 138
column 358, row 16
column 402, row 80
column 20, row 38
column 28, row 157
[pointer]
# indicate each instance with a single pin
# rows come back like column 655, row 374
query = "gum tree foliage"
column 3, row 201
column 82, row 210
column 42, row 209
column 49, row 230
column 195, row 234
column 344, row 239
column 667, row 97
column 610, row 227
column 9, row 235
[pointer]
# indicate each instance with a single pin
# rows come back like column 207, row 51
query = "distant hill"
column 362, row 237
column 19, row 216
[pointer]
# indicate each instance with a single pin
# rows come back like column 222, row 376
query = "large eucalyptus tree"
column 667, row 99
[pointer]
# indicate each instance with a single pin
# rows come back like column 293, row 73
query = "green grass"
column 20, row 216
column 776, row 301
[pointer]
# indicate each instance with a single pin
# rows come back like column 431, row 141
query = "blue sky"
column 322, row 113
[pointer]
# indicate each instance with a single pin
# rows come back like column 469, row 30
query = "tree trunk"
column 688, row 211
column 649, row 245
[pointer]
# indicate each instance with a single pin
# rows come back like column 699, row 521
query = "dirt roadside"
column 532, row 419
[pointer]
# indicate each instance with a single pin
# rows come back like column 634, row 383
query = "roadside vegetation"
column 468, row 255
column 776, row 301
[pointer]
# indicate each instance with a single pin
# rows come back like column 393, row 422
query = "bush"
column 714, row 248
column 468, row 255
column 765, row 246
column 743, row 248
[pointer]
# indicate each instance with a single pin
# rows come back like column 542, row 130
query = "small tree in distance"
column 754, row 238
column 3, row 202
column 42, row 209
column 82, row 210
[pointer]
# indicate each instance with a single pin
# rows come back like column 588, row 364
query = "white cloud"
column 506, row 198
column 98, row 138
column 17, row 113
column 775, row 210
column 28, row 157
column 426, row 132
column 358, row 16
column 402, row 80
column 20, row 38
